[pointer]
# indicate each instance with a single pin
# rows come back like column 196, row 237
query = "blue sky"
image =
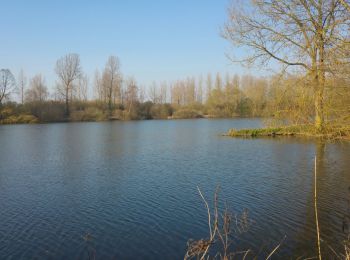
column 155, row 40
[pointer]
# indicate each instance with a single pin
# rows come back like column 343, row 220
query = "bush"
column 161, row 111
column 186, row 113
column 88, row 115
column 21, row 119
column 5, row 112
column 145, row 110
column 51, row 111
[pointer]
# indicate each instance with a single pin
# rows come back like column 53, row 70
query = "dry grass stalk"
column 316, row 215
column 223, row 227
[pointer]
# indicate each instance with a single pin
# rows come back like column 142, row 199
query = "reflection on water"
column 132, row 187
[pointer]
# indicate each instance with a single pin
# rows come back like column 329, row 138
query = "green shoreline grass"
column 330, row 132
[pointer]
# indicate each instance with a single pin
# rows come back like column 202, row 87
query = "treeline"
column 284, row 97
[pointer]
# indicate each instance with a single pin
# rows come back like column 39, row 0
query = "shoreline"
column 330, row 132
column 208, row 117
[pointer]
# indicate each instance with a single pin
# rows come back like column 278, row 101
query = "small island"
column 332, row 132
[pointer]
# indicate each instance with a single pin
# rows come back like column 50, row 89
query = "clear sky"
column 155, row 39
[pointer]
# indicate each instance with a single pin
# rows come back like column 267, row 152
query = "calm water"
column 132, row 187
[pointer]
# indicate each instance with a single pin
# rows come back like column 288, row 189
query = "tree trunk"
column 319, row 112
column 110, row 104
column 67, row 102
column 321, row 75
column 318, row 82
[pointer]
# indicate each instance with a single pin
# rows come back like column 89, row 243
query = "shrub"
column 186, row 113
column 21, row 119
column 161, row 111
column 88, row 115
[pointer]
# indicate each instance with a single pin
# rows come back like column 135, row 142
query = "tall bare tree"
column 131, row 94
column 142, row 94
column 218, row 82
column 98, row 89
column 22, row 82
column 163, row 92
column 310, row 35
column 153, row 94
column 38, row 90
column 209, row 86
column 111, row 81
column 190, row 93
column 82, row 88
column 7, row 84
column 177, row 93
column 68, row 69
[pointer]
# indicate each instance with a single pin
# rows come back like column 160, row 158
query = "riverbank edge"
column 330, row 132
column 29, row 119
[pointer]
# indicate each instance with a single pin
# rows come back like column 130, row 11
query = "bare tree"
column 209, row 86
column 310, row 35
column 177, row 93
column 131, row 95
column 199, row 97
column 163, row 92
column 22, row 82
column 235, row 81
column 118, row 90
column 153, row 93
column 82, row 88
column 7, row 84
column 38, row 90
column 142, row 94
column 218, row 82
column 190, row 92
column 68, row 69
column 111, row 81
column 98, row 89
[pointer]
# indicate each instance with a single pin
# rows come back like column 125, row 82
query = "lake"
column 128, row 190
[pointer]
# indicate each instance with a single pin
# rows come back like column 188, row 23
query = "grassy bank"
column 330, row 132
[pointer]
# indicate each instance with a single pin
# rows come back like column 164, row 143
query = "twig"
column 246, row 253
column 212, row 232
column 275, row 249
column 208, row 209
column 316, row 216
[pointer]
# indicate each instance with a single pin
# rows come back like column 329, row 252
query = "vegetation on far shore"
column 329, row 132
column 94, row 111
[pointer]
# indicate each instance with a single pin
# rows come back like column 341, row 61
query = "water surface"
column 131, row 188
